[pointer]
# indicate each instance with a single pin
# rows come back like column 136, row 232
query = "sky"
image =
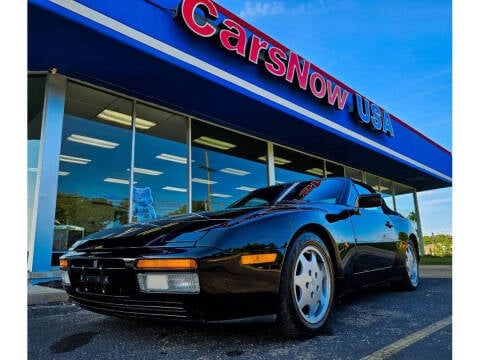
column 396, row 53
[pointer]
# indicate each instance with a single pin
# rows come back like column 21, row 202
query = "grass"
column 435, row 260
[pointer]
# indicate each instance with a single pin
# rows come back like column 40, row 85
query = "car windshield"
column 319, row 190
column 261, row 197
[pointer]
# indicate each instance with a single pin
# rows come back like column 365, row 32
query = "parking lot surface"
column 376, row 323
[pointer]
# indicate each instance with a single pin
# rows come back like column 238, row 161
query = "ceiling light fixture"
column 124, row 119
column 277, row 160
column 117, row 181
column 172, row 188
column 235, row 171
column 245, row 188
column 173, row 158
column 146, row 171
column 92, row 141
column 203, row 181
column 315, row 171
column 208, row 141
column 63, row 173
column 221, row 195
column 74, row 159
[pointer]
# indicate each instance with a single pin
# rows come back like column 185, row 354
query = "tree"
column 413, row 216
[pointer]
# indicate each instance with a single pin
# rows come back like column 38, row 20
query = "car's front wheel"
column 307, row 287
column 410, row 276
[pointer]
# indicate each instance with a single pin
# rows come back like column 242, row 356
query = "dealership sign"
column 286, row 65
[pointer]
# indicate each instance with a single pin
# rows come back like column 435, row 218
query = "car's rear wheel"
column 410, row 276
column 307, row 287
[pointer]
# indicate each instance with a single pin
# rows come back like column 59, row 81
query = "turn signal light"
column 178, row 264
column 258, row 259
column 63, row 263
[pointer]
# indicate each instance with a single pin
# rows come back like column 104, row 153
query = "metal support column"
column 270, row 164
column 40, row 250
column 419, row 225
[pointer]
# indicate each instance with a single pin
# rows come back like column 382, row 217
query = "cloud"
column 262, row 8
column 252, row 9
column 435, row 198
column 419, row 94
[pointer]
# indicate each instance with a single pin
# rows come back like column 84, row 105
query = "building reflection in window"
column 225, row 166
column 160, row 171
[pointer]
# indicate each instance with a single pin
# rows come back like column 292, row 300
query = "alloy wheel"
column 312, row 284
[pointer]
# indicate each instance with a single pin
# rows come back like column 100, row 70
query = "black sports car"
column 284, row 250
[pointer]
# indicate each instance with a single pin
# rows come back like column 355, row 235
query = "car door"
column 375, row 239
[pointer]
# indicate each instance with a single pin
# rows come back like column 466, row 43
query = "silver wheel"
column 312, row 282
column 411, row 265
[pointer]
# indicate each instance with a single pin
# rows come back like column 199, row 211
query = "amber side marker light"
column 63, row 263
column 258, row 259
column 178, row 264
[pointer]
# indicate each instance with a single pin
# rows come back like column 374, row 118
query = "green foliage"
column 196, row 207
column 435, row 260
column 413, row 216
column 438, row 245
column 92, row 214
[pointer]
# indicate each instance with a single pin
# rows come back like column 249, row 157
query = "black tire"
column 307, row 287
column 410, row 273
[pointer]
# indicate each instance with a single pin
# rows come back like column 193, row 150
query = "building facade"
column 145, row 108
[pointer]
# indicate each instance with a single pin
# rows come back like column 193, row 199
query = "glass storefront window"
column 334, row 170
column 404, row 199
column 294, row 166
column 160, row 172
column 36, row 94
column 372, row 180
column 225, row 166
column 354, row 174
column 94, row 172
column 385, row 187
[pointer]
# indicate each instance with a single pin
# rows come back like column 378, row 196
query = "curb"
column 43, row 295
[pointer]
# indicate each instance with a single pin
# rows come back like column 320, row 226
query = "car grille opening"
column 109, row 286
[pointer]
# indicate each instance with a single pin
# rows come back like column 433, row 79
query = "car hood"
column 183, row 230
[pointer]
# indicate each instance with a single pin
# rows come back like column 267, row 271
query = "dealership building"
column 139, row 109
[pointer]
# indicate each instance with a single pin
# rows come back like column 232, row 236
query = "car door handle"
column 389, row 224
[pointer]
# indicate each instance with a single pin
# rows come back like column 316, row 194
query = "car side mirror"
column 369, row 201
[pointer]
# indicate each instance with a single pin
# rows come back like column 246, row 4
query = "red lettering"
column 319, row 93
column 256, row 44
column 277, row 66
column 338, row 94
column 188, row 8
column 234, row 38
column 294, row 67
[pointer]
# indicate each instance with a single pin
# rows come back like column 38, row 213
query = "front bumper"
column 107, row 283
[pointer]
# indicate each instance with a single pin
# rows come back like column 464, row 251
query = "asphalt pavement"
column 377, row 323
